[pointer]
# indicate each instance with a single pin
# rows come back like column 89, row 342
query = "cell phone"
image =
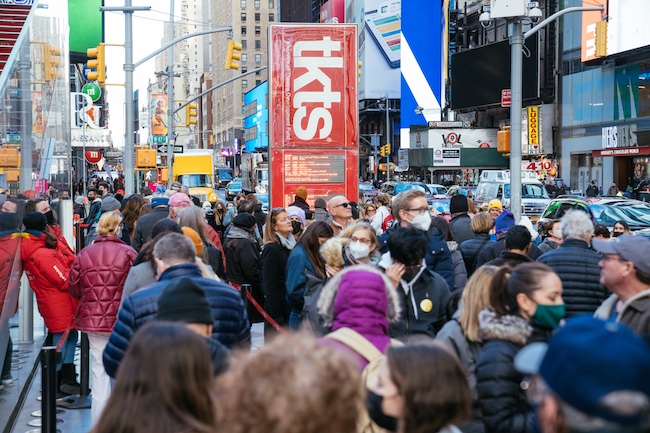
column 385, row 30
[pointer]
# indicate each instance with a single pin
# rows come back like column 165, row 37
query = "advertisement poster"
column 158, row 114
column 333, row 12
column 37, row 112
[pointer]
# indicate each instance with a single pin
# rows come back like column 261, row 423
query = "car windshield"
column 438, row 190
column 633, row 214
column 225, row 176
column 365, row 187
column 529, row 190
column 195, row 180
column 441, row 206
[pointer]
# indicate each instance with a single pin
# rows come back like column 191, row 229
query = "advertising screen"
column 313, row 111
column 628, row 27
column 333, row 12
column 255, row 122
column 159, row 114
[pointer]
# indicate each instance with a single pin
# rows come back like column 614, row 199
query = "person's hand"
column 331, row 270
column 395, row 273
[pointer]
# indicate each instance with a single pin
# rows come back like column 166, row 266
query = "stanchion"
column 83, row 400
column 48, row 403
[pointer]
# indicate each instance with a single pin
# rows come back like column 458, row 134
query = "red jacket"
column 48, row 276
column 62, row 245
column 10, row 271
column 97, row 279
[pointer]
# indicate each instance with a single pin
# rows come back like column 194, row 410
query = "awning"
column 622, row 151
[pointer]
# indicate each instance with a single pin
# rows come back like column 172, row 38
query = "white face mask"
column 556, row 233
column 359, row 250
column 422, row 221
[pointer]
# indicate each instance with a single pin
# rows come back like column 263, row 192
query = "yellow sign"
column 533, row 126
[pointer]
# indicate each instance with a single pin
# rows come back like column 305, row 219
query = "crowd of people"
column 376, row 316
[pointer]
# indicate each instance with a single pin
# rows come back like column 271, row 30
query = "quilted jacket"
column 97, row 278
column 230, row 320
column 48, row 276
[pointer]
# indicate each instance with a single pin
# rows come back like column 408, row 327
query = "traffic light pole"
column 170, row 97
column 387, row 140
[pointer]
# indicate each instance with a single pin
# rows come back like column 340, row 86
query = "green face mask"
column 549, row 316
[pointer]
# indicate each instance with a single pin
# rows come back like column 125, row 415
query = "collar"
column 408, row 287
column 339, row 225
column 183, row 270
column 288, row 243
column 632, row 302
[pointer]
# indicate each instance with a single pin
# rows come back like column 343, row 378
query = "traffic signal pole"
column 170, row 97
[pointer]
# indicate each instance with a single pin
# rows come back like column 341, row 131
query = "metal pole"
column 516, row 43
column 376, row 161
column 387, row 140
column 48, row 378
column 129, row 149
column 170, row 95
column 83, row 155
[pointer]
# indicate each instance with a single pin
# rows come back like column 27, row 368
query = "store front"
column 457, row 166
column 632, row 166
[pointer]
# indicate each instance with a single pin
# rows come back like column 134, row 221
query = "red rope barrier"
column 260, row 309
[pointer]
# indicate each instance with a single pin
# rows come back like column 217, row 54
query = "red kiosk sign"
column 313, row 111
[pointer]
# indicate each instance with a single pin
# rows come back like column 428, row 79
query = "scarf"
column 289, row 243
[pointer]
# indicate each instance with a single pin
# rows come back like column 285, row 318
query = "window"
column 258, row 44
column 258, row 82
column 243, row 44
column 257, row 4
column 244, row 83
column 243, row 16
column 243, row 98
column 244, row 57
column 258, row 30
column 271, row 4
column 243, row 30
column 244, row 69
column 258, row 58
column 258, row 73
column 243, row 3
column 257, row 17
column 271, row 17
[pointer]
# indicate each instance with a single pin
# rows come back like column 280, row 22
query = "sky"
column 147, row 35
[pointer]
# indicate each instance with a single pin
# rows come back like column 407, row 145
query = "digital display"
column 314, row 168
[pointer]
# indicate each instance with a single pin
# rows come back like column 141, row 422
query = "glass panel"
column 529, row 190
column 195, row 180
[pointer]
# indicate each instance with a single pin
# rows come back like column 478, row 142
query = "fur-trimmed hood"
column 511, row 328
column 368, row 297
column 332, row 250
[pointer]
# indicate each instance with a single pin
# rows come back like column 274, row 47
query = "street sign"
column 158, row 139
column 92, row 90
column 113, row 155
column 506, row 98
column 162, row 148
column 13, row 137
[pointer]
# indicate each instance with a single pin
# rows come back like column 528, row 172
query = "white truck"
column 254, row 173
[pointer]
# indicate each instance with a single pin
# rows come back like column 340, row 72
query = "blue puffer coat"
column 230, row 320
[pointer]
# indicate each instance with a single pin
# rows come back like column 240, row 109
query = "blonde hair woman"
column 461, row 333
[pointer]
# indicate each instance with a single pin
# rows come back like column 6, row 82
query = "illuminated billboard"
column 628, row 27
column 159, row 114
column 257, row 118
column 313, row 116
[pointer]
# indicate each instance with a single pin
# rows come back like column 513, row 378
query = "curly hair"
column 320, row 389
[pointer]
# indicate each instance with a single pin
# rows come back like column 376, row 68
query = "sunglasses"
column 343, row 204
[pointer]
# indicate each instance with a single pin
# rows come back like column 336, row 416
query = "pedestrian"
column 109, row 204
column 494, row 209
column 299, row 387
column 232, row 210
column 471, row 207
column 460, row 223
column 320, row 209
column 201, row 255
column 301, row 201
column 423, row 294
column 341, row 213
column 410, row 209
column 278, row 244
column 78, row 208
column 383, row 201
column 460, row 272
column 504, row 221
column 305, row 267
column 219, row 215
column 592, row 189
column 590, row 377
column 601, row 232
column 97, row 279
column 95, row 205
column 177, row 202
column 629, row 192
column 160, row 210
column 577, row 265
column 369, row 212
column 612, row 191
column 355, row 245
column 517, row 246
column 131, row 213
column 194, row 218
column 420, row 398
column 47, row 273
column 525, row 306
column 175, row 258
column 620, row 228
column 298, row 221
column 10, row 273
column 460, row 335
column 471, row 250
column 260, row 218
column 553, row 236
column 53, row 227
column 165, row 384
column 625, row 270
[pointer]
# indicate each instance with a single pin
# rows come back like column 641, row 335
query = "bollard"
column 245, row 290
column 48, row 402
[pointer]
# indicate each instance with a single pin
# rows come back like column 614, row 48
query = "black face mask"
column 50, row 217
column 373, row 404
column 410, row 273
column 221, row 211
column 616, row 234
column 297, row 227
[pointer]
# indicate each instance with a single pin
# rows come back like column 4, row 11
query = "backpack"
column 370, row 374
column 309, row 315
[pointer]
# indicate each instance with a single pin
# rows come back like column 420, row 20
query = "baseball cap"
column 632, row 248
column 179, row 200
column 586, row 360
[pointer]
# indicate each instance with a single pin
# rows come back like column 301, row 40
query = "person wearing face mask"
column 355, row 245
column 219, row 213
column 620, row 228
column 554, row 237
column 410, row 209
column 279, row 242
column 97, row 279
column 577, row 265
column 423, row 294
column 298, row 221
column 525, row 306
column 42, row 206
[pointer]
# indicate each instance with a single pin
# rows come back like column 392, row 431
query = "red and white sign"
column 506, row 98
column 538, row 165
column 314, row 111
column 589, row 20
column 333, row 12
column 93, row 156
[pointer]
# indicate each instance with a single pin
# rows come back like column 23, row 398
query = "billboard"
column 627, row 25
column 313, row 111
column 589, row 20
column 257, row 118
column 159, row 114
column 380, row 46
column 333, row 12
column 86, row 25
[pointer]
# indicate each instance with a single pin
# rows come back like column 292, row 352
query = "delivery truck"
column 254, row 173
column 194, row 169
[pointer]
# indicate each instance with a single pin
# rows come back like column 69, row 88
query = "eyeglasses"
column 363, row 241
column 419, row 211
column 342, row 204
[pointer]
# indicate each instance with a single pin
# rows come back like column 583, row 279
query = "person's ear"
column 526, row 304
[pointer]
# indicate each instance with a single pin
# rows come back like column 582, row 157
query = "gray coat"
column 139, row 276
column 144, row 227
column 461, row 227
column 460, row 272
column 320, row 214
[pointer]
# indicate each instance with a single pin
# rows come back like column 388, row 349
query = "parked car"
column 394, row 188
column 233, row 188
column 442, row 206
column 437, row 191
column 605, row 211
column 368, row 190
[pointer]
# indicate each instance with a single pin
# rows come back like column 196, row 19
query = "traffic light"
column 51, row 62
column 190, row 114
column 360, row 64
column 233, row 47
column 145, row 158
column 97, row 62
column 385, row 150
column 601, row 39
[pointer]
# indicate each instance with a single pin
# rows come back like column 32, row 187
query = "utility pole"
column 387, row 140
column 170, row 97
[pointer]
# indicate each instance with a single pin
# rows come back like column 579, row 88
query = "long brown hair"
column 132, row 212
column 271, row 220
column 311, row 245
column 164, row 384
column 433, row 397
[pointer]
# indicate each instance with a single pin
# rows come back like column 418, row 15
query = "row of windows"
column 244, row 58
column 244, row 44
column 244, row 69
column 258, row 30
column 244, row 83
column 257, row 4
column 257, row 17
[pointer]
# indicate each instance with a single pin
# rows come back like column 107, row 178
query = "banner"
column 158, row 114
column 37, row 112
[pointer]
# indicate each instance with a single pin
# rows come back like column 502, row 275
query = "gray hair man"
column 577, row 265
column 341, row 212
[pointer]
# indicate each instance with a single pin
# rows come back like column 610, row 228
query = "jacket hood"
column 32, row 240
column 369, row 294
column 332, row 250
column 511, row 328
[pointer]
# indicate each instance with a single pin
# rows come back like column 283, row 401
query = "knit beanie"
column 110, row 204
column 301, row 192
column 244, row 220
column 194, row 236
column 495, row 203
column 35, row 221
column 184, row 301
column 300, row 213
column 458, row 204
column 504, row 222
column 320, row 203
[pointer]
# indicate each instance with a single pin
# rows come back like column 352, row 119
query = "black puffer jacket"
column 503, row 402
column 577, row 267
column 491, row 252
column 472, row 248
column 274, row 265
column 243, row 267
